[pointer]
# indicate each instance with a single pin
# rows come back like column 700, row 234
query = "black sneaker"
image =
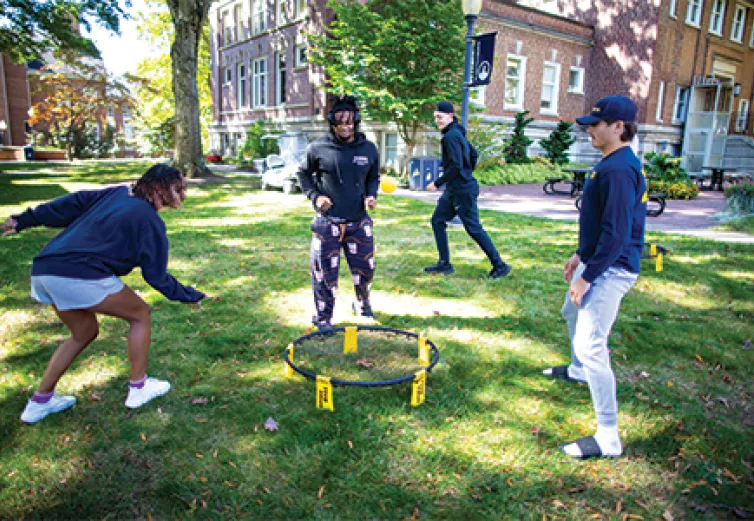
column 322, row 325
column 444, row 268
column 362, row 310
column 498, row 272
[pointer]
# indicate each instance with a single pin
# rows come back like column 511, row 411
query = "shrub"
column 255, row 147
column 505, row 174
column 674, row 189
column 487, row 138
column 740, row 199
column 515, row 147
column 558, row 143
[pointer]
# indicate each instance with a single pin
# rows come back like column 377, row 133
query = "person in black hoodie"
column 340, row 175
column 460, row 196
column 106, row 234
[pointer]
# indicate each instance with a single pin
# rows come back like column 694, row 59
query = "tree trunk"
column 188, row 18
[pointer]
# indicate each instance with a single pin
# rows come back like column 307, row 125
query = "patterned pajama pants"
column 355, row 238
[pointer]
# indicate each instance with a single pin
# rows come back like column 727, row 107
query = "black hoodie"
column 346, row 172
column 456, row 159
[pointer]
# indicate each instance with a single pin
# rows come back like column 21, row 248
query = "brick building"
column 688, row 64
column 15, row 101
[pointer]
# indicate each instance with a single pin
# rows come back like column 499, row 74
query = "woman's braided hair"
column 159, row 178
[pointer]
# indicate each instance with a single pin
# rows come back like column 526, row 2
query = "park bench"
column 655, row 205
column 573, row 186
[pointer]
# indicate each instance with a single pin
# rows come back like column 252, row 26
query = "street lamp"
column 471, row 10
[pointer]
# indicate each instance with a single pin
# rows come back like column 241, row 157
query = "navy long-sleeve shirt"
column 613, row 215
column 456, row 159
column 106, row 232
column 345, row 172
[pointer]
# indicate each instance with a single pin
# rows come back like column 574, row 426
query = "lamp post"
column 471, row 10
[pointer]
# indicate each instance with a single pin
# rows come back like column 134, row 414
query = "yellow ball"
column 388, row 185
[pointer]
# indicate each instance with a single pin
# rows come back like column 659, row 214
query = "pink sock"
column 42, row 398
column 138, row 384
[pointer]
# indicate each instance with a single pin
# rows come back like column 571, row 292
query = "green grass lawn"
column 744, row 225
column 484, row 446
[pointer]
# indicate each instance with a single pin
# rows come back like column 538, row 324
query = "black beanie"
column 445, row 106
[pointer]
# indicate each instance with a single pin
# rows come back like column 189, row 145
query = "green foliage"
column 500, row 173
column 89, row 143
column 515, row 149
column 153, row 82
column 488, row 139
column 675, row 189
column 30, row 28
column 740, row 199
column 398, row 58
column 254, row 147
column 558, row 143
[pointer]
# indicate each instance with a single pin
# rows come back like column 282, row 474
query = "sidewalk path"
column 692, row 217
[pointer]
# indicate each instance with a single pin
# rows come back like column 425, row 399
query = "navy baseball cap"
column 445, row 106
column 611, row 107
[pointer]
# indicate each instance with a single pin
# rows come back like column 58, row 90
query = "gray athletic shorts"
column 66, row 293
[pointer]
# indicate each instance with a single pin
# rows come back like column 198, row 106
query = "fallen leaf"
column 667, row 516
column 363, row 362
column 143, row 437
column 350, row 445
column 321, row 492
column 271, row 425
column 200, row 401
column 618, row 507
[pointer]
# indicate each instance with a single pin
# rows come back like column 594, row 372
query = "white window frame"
column 717, row 17
column 553, row 109
column 225, row 21
column 227, row 76
column 672, row 10
column 259, row 82
column 390, row 163
column 259, row 17
column 737, row 27
column 281, row 17
column 751, row 38
column 281, row 77
column 660, row 101
column 302, row 7
column 301, row 59
column 477, row 96
column 743, row 114
column 519, row 103
column 238, row 22
column 241, row 98
column 577, row 89
column 681, row 102
column 694, row 13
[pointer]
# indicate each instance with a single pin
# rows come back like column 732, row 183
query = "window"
column 550, row 88
column 259, row 18
column 128, row 129
column 751, row 38
column 227, row 76
column 280, row 78
column 739, row 21
column 694, row 12
column 282, row 12
column 476, row 96
column 238, row 17
column 241, row 91
column 576, row 80
column 301, row 59
column 227, row 29
column 390, row 150
column 672, row 8
column 717, row 17
column 260, row 82
column 301, row 6
column 679, row 106
column 660, row 100
column 743, row 115
column 515, row 76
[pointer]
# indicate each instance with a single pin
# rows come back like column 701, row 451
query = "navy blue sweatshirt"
column 613, row 214
column 456, row 159
column 346, row 172
column 107, row 232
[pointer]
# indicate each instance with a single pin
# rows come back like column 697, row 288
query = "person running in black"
column 460, row 196
column 341, row 175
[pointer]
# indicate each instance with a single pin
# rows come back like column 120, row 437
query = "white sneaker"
column 152, row 389
column 35, row 411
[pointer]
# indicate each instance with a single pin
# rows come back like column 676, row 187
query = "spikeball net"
column 362, row 356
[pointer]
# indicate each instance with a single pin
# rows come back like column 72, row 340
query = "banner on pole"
column 484, row 57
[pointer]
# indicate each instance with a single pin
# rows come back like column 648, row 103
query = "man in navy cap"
column 460, row 196
column 604, row 267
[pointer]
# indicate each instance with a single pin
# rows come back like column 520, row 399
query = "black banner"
column 484, row 56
